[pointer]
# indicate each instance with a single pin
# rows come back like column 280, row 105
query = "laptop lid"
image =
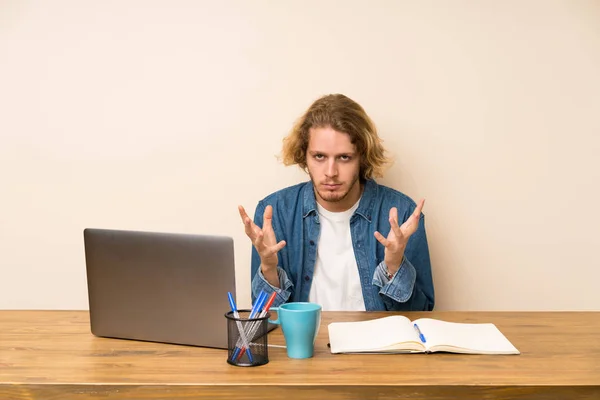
column 160, row 287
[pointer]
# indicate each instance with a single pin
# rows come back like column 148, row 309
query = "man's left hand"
column 395, row 243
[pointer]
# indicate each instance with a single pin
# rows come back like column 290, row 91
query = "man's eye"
column 319, row 156
column 345, row 158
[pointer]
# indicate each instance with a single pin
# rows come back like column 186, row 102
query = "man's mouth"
column 331, row 186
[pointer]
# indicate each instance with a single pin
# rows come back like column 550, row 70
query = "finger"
column 419, row 209
column 251, row 229
column 412, row 223
column 416, row 215
column 259, row 242
column 393, row 213
column 278, row 246
column 268, row 218
column 243, row 213
column 245, row 218
column 381, row 239
column 394, row 221
column 273, row 250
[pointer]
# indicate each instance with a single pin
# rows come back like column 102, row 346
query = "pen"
column 255, row 309
column 420, row 334
column 256, row 324
column 260, row 301
column 268, row 305
column 240, row 328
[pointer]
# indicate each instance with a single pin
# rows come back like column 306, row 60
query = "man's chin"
column 332, row 197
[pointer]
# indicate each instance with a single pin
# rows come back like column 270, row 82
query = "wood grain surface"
column 52, row 355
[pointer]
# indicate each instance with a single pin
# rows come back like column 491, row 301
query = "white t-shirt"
column 336, row 283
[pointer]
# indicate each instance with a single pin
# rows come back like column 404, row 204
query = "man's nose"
column 331, row 168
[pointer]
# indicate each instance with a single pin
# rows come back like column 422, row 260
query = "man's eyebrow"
column 349, row 153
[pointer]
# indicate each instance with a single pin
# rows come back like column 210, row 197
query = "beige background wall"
column 165, row 115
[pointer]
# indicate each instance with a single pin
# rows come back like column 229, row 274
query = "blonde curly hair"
column 343, row 115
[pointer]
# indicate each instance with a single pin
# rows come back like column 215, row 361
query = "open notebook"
column 398, row 334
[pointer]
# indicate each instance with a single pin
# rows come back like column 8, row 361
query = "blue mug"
column 300, row 324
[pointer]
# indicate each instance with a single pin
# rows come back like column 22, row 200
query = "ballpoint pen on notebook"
column 420, row 334
column 239, row 326
column 255, row 310
column 256, row 324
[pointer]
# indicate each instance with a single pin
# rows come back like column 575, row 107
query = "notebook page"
column 483, row 338
column 374, row 334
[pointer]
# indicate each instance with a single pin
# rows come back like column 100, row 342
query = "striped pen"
column 243, row 338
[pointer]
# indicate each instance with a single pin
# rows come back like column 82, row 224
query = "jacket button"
column 312, row 243
column 307, row 278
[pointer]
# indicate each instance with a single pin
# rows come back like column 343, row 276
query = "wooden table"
column 52, row 355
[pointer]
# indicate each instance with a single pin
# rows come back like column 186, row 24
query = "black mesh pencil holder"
column 247, row 339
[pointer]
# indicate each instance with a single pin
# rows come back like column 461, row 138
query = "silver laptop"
column 159, row 287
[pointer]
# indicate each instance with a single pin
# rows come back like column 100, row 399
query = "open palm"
column 263, row 240
column 395, row 243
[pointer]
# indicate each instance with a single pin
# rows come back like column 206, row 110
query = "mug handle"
column 277, row 322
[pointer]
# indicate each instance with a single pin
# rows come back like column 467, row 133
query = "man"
column 340, row 240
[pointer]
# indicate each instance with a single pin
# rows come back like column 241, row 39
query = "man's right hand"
column 265, row 243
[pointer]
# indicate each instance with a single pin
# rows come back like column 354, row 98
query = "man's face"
column 333, row 166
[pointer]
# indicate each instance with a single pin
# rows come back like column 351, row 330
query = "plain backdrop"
column 165, row 115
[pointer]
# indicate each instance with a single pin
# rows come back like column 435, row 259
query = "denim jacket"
column 296, row 220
